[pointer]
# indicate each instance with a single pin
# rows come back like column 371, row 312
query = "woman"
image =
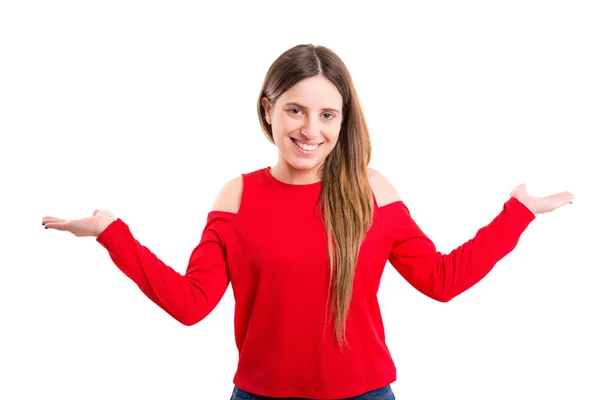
column 304, row 245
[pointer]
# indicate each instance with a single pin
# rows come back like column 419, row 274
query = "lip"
column 308, row 144
column 305, row 152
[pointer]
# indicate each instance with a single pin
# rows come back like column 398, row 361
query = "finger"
column 561, row 195
column 59, row 226
column 560, row 199
column 45, row 220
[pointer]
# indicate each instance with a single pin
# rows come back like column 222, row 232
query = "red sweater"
column 274, row 253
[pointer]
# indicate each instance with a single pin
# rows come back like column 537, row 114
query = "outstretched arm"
column 191, row 297
column 188, row 298
column 444, row 276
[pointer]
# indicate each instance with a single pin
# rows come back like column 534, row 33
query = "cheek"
column 287, row 126
column 332, row 135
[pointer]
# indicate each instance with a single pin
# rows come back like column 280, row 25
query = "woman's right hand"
column 89, row 226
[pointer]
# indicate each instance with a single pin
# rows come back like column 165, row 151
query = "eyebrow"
column 301, row 106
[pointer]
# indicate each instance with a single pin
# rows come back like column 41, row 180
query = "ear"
column 267, row 106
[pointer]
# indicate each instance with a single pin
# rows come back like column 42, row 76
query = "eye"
column 297, row 111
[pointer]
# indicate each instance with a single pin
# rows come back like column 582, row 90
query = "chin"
column 304, row 165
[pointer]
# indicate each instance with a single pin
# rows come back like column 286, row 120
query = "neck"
column 286, row 173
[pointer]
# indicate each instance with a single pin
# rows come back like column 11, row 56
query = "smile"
column 305, row 147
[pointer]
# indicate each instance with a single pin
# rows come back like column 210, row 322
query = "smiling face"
column 306, row 122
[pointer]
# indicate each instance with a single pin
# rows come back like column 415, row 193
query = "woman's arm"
column 188, row 298
column 444, row 276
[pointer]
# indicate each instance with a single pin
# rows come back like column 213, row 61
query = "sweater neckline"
column 290, row 185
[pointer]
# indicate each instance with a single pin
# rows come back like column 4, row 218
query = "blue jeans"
column 384, row 393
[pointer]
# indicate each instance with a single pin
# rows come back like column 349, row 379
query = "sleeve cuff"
column 112, row 233
column 522, row 211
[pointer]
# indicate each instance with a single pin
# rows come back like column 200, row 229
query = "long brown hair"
column 346, row 200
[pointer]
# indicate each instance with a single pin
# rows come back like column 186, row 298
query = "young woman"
column 304, row 245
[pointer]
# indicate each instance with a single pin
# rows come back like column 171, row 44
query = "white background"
column 146, row 109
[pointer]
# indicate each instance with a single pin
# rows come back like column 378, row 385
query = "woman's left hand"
column 541, row 205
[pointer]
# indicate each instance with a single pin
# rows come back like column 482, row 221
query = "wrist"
column 526, row 203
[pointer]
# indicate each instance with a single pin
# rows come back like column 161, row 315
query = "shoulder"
column 383, row 190
column 230, row 196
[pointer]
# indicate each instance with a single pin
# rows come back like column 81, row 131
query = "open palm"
column 88, row 226
column 541, row 205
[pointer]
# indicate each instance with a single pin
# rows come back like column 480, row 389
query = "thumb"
column 521, row 189
column 95, row 212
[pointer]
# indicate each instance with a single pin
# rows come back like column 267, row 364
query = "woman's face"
column 306, row 122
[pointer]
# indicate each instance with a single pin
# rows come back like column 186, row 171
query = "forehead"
column 316, row 91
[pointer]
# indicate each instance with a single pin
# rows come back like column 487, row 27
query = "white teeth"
column 305, row 146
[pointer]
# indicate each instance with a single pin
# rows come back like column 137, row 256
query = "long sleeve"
column 444, row 276
column 188, row 298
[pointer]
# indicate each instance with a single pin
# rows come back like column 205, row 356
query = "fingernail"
column 45, row 227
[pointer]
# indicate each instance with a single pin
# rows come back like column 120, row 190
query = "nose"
column 311, row 129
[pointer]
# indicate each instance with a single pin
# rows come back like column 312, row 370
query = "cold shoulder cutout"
column 383, row 191
column 230, row 196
